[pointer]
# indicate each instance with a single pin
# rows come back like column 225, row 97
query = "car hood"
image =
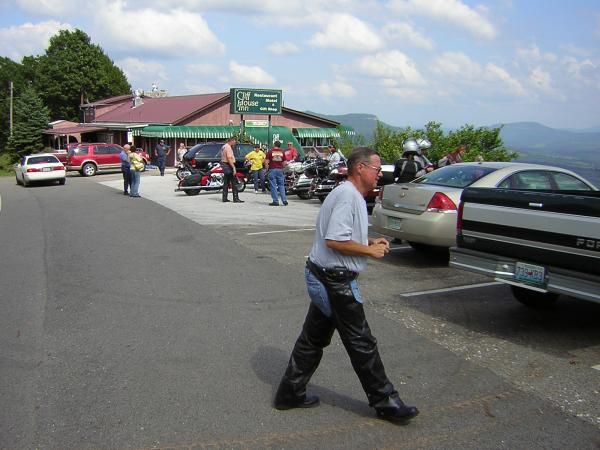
column 413, row 198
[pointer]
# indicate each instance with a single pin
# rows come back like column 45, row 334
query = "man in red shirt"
column 274, row 163
column 291, row 154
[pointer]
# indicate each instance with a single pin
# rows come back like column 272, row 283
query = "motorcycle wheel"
column 240, row 184
column 182, row 173
column 305, row 195
column 192, row 192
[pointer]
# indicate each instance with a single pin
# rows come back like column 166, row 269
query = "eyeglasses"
column 378, row 169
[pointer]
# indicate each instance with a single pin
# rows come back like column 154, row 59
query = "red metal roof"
column 74, row 130
column 162, row 110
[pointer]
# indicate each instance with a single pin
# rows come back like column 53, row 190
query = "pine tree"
column 31, row 118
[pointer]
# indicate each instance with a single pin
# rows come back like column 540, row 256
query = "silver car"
column 423, row 212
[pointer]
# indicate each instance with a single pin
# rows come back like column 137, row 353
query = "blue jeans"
column 160, row 162
column 126, row 178
column 277, row 184
column 256, row 174
column 134, row 191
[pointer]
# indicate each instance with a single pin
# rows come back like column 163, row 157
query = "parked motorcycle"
column 185, row 169
column 314, row 170
column 321, row 188
column 210, row 180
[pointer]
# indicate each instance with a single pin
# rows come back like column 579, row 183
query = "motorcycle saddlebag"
column 192, row 180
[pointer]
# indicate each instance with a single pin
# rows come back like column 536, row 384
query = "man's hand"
column 379, row 247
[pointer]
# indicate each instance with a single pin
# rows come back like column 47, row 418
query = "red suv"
column 89, row 158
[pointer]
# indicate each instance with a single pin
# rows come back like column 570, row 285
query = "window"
column 528, row 179
column 455, row 176
column 79, row 151
column 42, row 159
column 102, row 150
column 114, row 150
column 241, row 150
column 566, row 182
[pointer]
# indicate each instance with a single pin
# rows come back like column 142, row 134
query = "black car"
column 202, row 154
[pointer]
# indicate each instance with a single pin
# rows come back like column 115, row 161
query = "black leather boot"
column 394, row 410
column 287, row 399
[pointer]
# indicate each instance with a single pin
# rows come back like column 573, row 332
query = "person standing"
column 136, row 166
column 339, row 253
column 229, row 171
column 124, row 157
column 291, row 154
column 181, row 151
column 334, row 157
column 161, row 151
column 453, row 157
column 257, row 158
column 274, row 163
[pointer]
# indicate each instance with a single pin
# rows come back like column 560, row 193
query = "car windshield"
column 455, row 175
column 42, row 159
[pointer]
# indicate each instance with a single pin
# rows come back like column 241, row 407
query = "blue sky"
column 406, row 61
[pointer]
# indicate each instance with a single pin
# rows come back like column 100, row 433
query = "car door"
column 102, row 156
column 19, row 168
column 113, row 157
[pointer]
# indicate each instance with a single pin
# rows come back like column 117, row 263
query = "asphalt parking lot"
column 555, row 354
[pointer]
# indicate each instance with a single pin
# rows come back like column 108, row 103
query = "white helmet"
column 410, row 145
column 423, row 143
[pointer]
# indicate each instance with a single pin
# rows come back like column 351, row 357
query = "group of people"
column 415, row 161
column 132, row 164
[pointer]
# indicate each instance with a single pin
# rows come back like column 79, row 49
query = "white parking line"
column 280, row 231
column 457, row 288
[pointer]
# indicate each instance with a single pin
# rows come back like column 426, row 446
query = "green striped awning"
column 187, row 131
column 322, row 132
column 259, row 135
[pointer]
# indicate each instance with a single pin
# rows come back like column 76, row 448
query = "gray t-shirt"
column 343, row 217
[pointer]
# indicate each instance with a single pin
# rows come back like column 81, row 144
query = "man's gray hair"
column 359, row 155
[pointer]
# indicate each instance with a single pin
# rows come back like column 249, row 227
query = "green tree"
column 71, row 69
column 346, row 142
column 31, row 118
column 9, row 71
column 484, row 142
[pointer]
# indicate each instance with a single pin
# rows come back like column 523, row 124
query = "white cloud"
column 585, row 72
column 202, row 69
column 174, row 32
column 459, row 68
column 412, row 95
column 336, row 88
column 401, row 33
column 346, row 32
column 533, row 55
column 453, row 12
column 540, row 79
column 142, row 73
column 495, row 73
column 249, row 75
column 52, row 8
column 283, row 48
column 393, row 65
column 28, row 39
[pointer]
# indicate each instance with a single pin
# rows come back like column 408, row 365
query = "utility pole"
column 11, row 108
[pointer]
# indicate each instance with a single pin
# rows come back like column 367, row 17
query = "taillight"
column 33, row 169
column 58, row 168
column 441, row 203
column 461, row 207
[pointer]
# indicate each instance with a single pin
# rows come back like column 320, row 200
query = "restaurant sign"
column 255, row 101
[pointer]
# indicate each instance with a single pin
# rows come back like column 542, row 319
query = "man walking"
column 339, row 253
column 229, row 171
column 161, row 151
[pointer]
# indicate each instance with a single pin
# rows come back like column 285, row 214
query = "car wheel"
column 25, row 183
column 534, row 299
column 88, row 170
column 17, row 179
column 192, row 192
column 420, row 247
column 62, row 181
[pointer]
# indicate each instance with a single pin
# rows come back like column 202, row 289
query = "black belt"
column 337, row 273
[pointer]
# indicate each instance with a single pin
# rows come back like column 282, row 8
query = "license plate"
column 529, row 273
column 394, row 223
column 46, row 169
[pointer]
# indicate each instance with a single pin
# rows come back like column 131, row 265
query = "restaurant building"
column 146, row 118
